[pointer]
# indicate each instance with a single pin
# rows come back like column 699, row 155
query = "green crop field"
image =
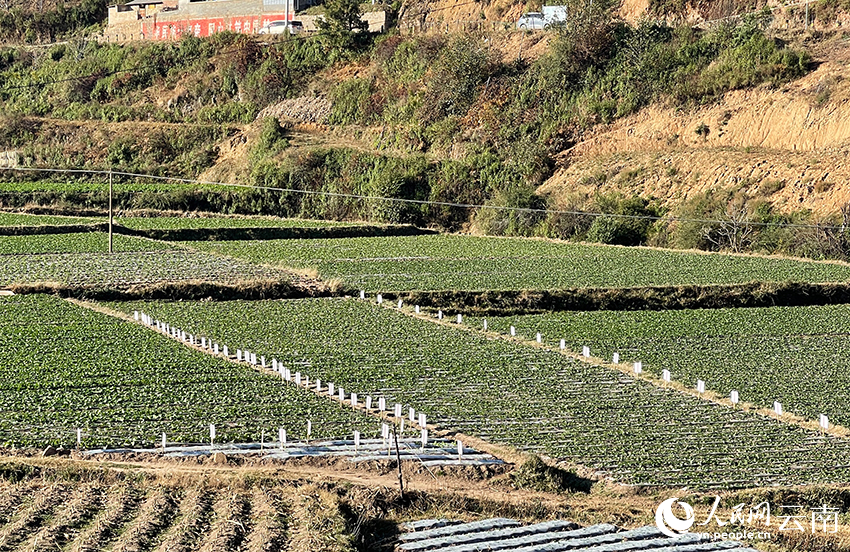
column 530, row 398
column 442, row 262
column 65, row 367
column 87, row 242
column 121, row 269
column 22, row 219
column 169, row 223
column 794, row 355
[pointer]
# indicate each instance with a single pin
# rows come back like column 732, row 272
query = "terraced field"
column 530, row 398
column 443, row 262
column 64, row 367
column 794, row 355
column 89, row 242
column 23, row 219
column 147, row 513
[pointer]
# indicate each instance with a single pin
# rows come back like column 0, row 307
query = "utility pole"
column 110, row 210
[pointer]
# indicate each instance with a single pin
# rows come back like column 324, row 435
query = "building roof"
column 143, row 2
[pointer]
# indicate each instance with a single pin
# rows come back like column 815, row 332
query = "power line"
column 423, row 201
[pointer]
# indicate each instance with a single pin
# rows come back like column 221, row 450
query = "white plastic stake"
column 401, row 429
column 163, row 441
column 354, row 400
column 274, row 364
column 263, row 361
column 239, row 354
column 411, row 414
column 362, row 294
column 665, row 375
column 307, row 382
column 585, row 351
column 226, row 352
column 341, row 394
column 733, row 396
column 485, row 324
column 824, row 422
column 422, row 420
column 777, row 407
column 439, row 314
column 513, row 331
column 385, row 431
column 638, row 367
column 203, row 343
column 309, row 428
column 79, row 437
column 297, row 378
column 380, row 299
column 212, row 433
column 616, row 359
column 356, row 440
column 563, row 344
column 254, row 359
column 368, row 402
column 459, row 451
column 399, row 303
column 135, row 315
column 318, row 384
column 416, row 309
column 281, row 436
column 460, row 319
column 700, row 386
column 382, row 404
column 539, row 338
column 397, row 411
column 215, row 348
column 331, row 389
column 424, row 438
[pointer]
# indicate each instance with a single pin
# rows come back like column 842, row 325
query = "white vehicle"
column 281, row 27
column 549, row 16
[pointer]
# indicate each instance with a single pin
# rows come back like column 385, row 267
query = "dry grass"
column 230, row 524
column 79, row 508
column 42, row 505
column 193, row 519
column 121, row 503
column 155, row 514
column 268, row 517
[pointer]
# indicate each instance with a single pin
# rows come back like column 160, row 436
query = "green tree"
column 342, row 17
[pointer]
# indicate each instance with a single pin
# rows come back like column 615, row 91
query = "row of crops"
column 165, row 222
column 529, row 398
column 441, row 262
column 794, row 355
column 65, row 367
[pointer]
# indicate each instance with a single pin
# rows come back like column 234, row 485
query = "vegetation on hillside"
column 473, row 128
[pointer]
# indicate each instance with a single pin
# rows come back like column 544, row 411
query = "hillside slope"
column 788, row 145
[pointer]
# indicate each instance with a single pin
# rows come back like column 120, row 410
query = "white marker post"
column 563, row 344
column 362, row 294
column 439, row 315
column 297, row 378
column 416, row 309
column 318, row 384
column 460, row 319
column 226, row 352
column 638, row 367
column 424, row 437
column 136, row 315
column 485, row 324
column 341, row 394
column 459, row 451
column 824, row 422
column 356, row 441
column 513, row 331
column 79, row 437
column 700, row 386
column 263, row 361
column 215, row 349
column 281, row 436
column 212, row 434
column 163, row 441
column 777, row 407
column 309, row 429
column 665, row 375
column 411, row 415
column 400, row 304
column 539, row 338
column 368, row 402
column 354, row 400
column 616, row 359
column 382, row 404
column 274, row 364
column 239, row 355
column 733, row 396
column 422, row 420
column 380, row 299
column 585, row 351
column 330, row 389
column 397, row 410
